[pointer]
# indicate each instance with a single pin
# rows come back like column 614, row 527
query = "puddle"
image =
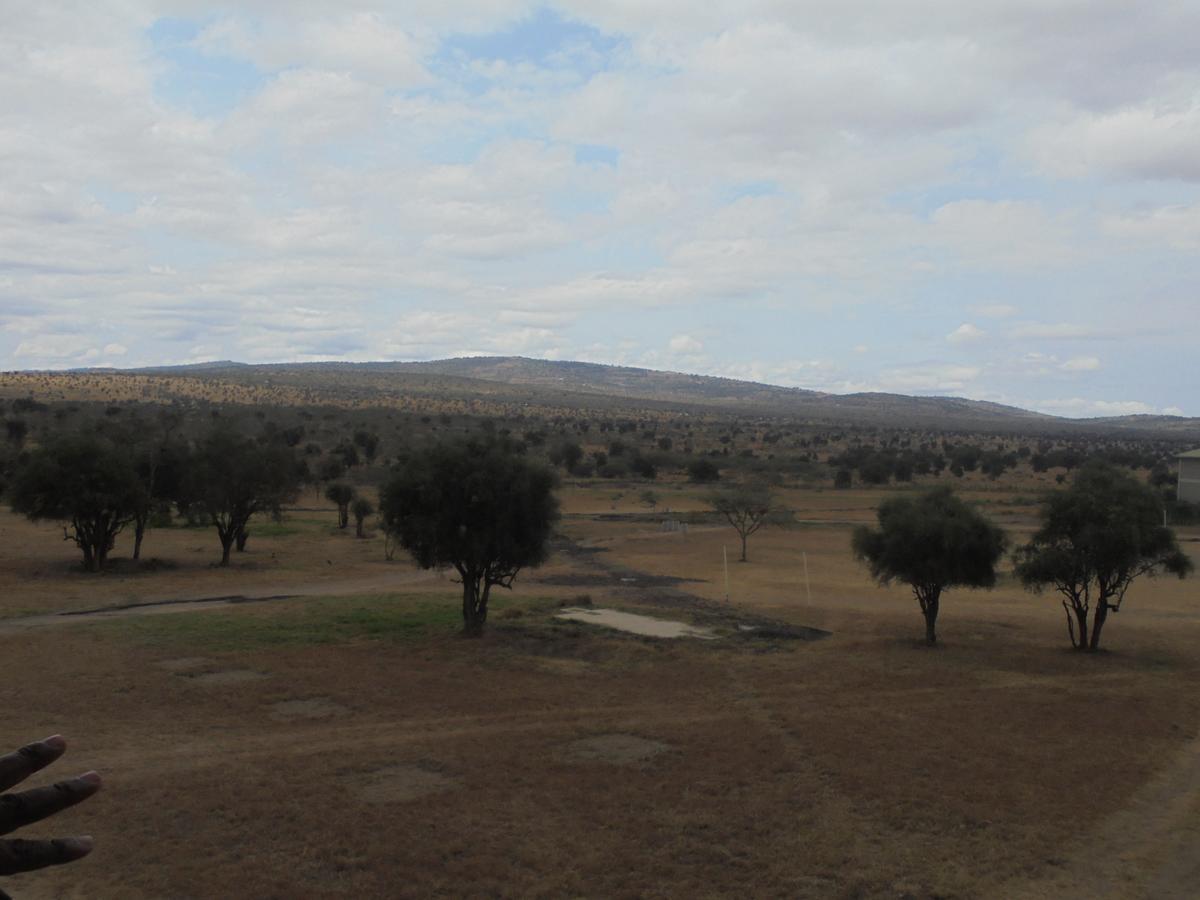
column 316, row 708
column 619, row 749
column 229, row 676
column 647, row 626
column 400, row 784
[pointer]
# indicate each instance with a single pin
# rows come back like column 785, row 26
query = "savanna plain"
column 308, row 721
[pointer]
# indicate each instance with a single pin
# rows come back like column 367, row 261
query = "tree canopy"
column 477, row 505
column 86, row 481
column 747, row 507
column 931, row 542
column 230, row 478
column 1096, row 538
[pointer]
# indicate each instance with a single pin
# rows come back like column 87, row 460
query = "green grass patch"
column 305, row 622
column 274, row 529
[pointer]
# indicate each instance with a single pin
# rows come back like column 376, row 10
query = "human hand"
column 20, row 809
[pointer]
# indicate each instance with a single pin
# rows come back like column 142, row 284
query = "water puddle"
column 647, row 626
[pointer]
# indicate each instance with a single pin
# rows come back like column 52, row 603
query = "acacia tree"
column 85, row 480
column 230, row 478
column 1096, row 538
column 362, row 508
column 930, row 542
column 341, row 495
column 477, row 505
column 157, row 456
column 747, row 508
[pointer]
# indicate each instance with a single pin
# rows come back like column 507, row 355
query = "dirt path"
column 1150, row 850
column 187, row 603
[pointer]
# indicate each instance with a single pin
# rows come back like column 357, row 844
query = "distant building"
column 1189, row 476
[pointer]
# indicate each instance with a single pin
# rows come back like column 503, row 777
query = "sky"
column 996, row 200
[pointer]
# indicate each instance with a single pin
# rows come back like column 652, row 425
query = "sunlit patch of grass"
column 275, row 529
column 304, row 622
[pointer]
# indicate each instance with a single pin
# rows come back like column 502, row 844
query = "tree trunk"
column 226, row 546
column 89, row 558
column 240, row 540
column 358, row 528
column 1081, row 624
column 930, row 607
column 1098, row 624
column 743, row 559
column 343, row 516
column 474, row 607
column 139, row 532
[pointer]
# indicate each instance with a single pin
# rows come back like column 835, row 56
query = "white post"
column 725, row 550
column 807, row 587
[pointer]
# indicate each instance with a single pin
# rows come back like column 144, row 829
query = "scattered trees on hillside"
column 747, row 508
column 84, row 480
column 930, row 542
column 230, row 478
column 477, row 505
column 1096, row 538
column 703, row 471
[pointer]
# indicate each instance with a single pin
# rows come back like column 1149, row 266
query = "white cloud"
column 686, row 344
column 965, row 333
column 1061, row 331
column 1081, row 364
column 1131, row 142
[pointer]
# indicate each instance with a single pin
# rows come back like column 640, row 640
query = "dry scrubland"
column 348, row 743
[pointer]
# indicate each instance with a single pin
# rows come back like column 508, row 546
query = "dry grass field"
column 345, row 742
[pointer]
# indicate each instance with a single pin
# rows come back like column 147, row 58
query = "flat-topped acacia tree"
column 930, row 542
column 475, row 504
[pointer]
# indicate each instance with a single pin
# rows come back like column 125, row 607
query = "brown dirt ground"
column 863, row 765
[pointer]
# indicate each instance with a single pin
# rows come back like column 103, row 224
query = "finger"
column 15, row 767
column 25, row 856
column 17, row 810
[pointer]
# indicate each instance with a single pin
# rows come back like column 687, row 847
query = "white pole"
column 807, row 587
column 725, row 550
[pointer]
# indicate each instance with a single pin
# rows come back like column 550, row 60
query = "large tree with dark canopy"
column 86, row 481
column 930, row 542
column 342, row 495
column 1096, row 538
column 475, row 504
column 231, row 478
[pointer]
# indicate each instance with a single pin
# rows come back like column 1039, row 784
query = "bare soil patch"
column 180, row 664
column 225, row 677
column 402, row 784
column 315, row 708
column 617, row 749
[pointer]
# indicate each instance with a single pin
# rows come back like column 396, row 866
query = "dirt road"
column 1150, row 850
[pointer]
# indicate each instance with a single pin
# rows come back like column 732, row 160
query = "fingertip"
column 55, row 742
column 79, row 847
column 91, row 779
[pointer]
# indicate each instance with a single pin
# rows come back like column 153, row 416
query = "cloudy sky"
column 998, row 200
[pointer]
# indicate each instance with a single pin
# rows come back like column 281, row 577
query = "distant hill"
column 514, row 383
